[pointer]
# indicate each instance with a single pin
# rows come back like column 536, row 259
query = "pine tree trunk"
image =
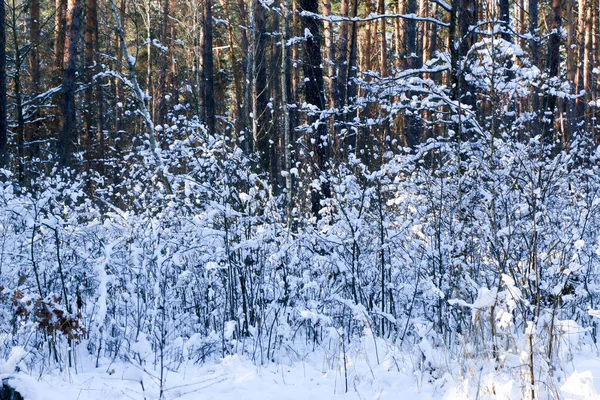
column 34, row 39
column 163, row 95
column 207, row 74
column 411, row 36
column 505, row 18
column 330, row 55
column 425, row 33
column 237, row 73
column 588, row 55
column 568, row 104
column 68, row 120
column 342, row 58
column 90, row 46
column 400, row 31
column 59, row 36
column 534, row 49
column 315, row 95
column 33, row 131
column 3, row 125
column 553, row 68
column 287, row 131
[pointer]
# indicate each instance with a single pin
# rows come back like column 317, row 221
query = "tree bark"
column 207, row 72
column 34, row 39
column 534, row 49
column 68, row 118
column 238, row 78
column 163, row 95
column 90, row 47
column 464, row 14
column 59, row 35
column 383, row 61
column 400, row 37
column 553, row 66
column 3, row 125
column 33, row 22
column 258, row 83
column 287, row 131
column 571, row 69
column 425, row 31
column 330, row 52
column 411, row 36
column 505, row 18
column 342, row 58
column 315, row 96
column 588, row 53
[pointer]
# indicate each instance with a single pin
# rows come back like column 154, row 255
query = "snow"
column 373, row 371
column 15, row 357
column 233, row 377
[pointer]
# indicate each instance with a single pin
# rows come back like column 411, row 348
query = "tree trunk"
column 351, row 88
column 553, row 68
column 425, row 32
column 287, row 131
column 33, row 22
column 3, row 125
column 207, row 75
column 59, row 35
column 119, row 99
column 68, row 120
column 34, row 39
column 411, row 36
column 258, row 83
column 383, row 62
column 19, row 128
column 172, row 73
column 237, row 73
column 464, row 16
column 568, row 104
column 90, row 47
column 505, row 19
column 315, row 96
column 163, row 95
column 342, row 58
column 330, row 52
column 534, row 48
column 400, row 32
column 588, row 55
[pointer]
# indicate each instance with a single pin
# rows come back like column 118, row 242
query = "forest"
column 396, row 196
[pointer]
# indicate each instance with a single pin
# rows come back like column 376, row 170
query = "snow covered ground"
column 232, row 378
column 317, row 376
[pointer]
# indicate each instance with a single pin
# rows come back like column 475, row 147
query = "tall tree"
column 163, row 96
column 34, row 40
column 462, row 37
column 3, row 124
column 207, row 74
column 66, row 140
column 238, row 79
column 90, row 49
column 287, row 129
column 534, row 50
column 59, row 34
column 553, row 66
column 342, row 57
column 505, row 18
column 315, row 96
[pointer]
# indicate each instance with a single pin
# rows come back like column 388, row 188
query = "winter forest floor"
column 371, row 372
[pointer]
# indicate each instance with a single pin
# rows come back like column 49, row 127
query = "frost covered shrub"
column 458, row 251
